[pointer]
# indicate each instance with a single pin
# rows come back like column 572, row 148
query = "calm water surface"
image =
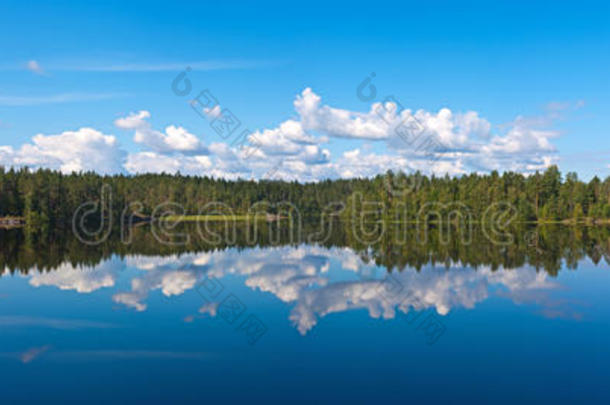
column 527, row 321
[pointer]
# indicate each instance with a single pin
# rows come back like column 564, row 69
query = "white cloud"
column 6, row 155
column 356, row 164
column 382, row 120
column 445, row 142
column 463, row 141
column 522, row 138
column 175, row 138
column 34, row 66
column 133, row 120
column 151, row 162
column 526, row 147
column 338, row 122
column 287, row 139
column 83, row 150
column 212, row 113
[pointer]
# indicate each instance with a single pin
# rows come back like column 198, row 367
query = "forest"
column 46, row 198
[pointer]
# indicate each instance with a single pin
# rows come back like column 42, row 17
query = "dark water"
column 321, row 318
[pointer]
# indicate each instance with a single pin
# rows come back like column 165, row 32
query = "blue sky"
column 67, row 66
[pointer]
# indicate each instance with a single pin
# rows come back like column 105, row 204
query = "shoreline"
column 19, row 222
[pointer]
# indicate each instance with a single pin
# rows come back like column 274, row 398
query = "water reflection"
column 317, row 279
column 547, row 247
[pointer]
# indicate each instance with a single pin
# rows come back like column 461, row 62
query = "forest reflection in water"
column 548, row 247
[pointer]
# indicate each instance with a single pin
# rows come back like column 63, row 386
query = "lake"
column 323, row 316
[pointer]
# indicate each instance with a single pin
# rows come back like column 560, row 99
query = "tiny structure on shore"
column 8, row 222
column 272, row 217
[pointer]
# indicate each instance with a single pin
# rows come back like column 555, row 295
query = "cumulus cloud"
column 152, row 162
column 85, row 149
column 442, row 142
column 433, row 142
column 382, row 120
column 133, row 120
column 287, row 139
column 355, row 163
column 454, row 142
column 174, row 139
column 339, row 122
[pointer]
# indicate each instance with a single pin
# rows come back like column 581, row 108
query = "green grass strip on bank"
column 210, row 218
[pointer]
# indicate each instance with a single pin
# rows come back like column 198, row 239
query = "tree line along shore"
column 50, row 198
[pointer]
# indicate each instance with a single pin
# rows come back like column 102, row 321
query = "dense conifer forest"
column 49, row 198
